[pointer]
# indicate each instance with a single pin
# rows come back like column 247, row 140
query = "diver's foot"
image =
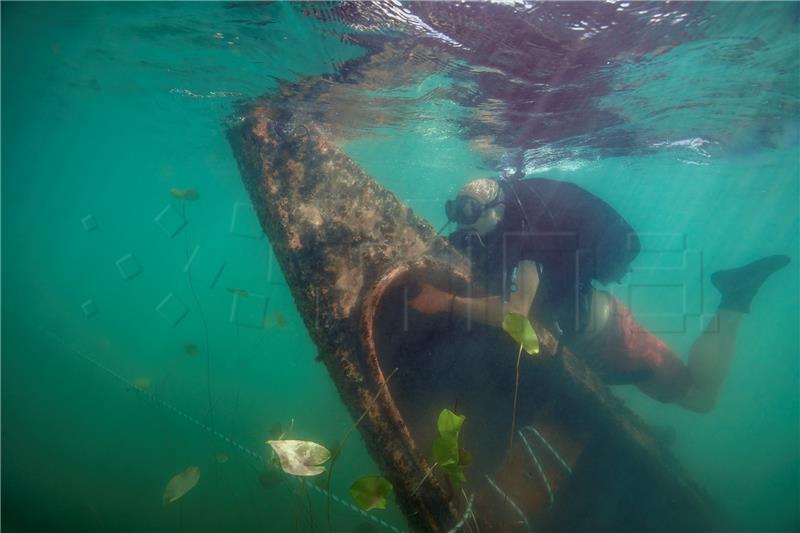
column 739, row 285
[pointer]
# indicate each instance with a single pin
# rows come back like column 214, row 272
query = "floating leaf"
column 446, row 452
column 300, row 457
column 370, row 492
column 449, row 423
column 455, row 472
column 521, row 330
column 275, row 461
column 181, row 483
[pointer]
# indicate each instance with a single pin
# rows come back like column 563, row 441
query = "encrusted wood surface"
column 335, row 231
column 339, row 236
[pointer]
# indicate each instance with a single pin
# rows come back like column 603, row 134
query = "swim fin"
column 739, row 286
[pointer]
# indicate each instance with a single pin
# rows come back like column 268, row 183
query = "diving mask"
column 472, row 201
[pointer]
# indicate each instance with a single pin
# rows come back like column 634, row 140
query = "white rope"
column 510, row 502
column 472, row 513
column 464, row 517
column 538, row 466
column 552, row 450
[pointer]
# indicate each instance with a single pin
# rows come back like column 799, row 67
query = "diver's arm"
column 488, row 310
column 521, row 299
column 491, row 310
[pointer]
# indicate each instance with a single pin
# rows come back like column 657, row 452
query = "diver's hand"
column 431, row 300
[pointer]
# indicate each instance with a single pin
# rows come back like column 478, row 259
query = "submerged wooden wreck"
column 351, row 253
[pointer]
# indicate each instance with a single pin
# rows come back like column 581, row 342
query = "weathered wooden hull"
column 351, row 252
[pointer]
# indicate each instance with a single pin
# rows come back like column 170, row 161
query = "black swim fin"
column 739, row 285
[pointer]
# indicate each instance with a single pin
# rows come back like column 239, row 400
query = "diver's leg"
column 739, row 286
column 709, row 359
column 625, row 352
column 622, row 351
column 711, row 354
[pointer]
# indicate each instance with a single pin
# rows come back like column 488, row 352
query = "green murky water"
column 107, row 107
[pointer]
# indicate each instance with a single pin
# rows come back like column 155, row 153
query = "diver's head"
column 478, row 207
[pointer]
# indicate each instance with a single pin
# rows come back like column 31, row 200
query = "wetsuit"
column 574, row 237
column 571, row 234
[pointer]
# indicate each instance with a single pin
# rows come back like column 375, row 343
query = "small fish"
column 191, row 349
column 221, row 457
column 181, row 483
column 238, row 292
column 184, row 194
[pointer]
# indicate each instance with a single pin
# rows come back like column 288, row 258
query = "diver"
column 537, row 245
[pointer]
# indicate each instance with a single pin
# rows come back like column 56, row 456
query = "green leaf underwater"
column 370, row 492
column 521, row 330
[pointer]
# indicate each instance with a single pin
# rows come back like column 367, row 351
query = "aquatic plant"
column 300, row 457
column 370, row 492
column 350, row 431
column 305, row 458
column 521, row 330
column 181, row 483
column 446, row 451
column 268, row 477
